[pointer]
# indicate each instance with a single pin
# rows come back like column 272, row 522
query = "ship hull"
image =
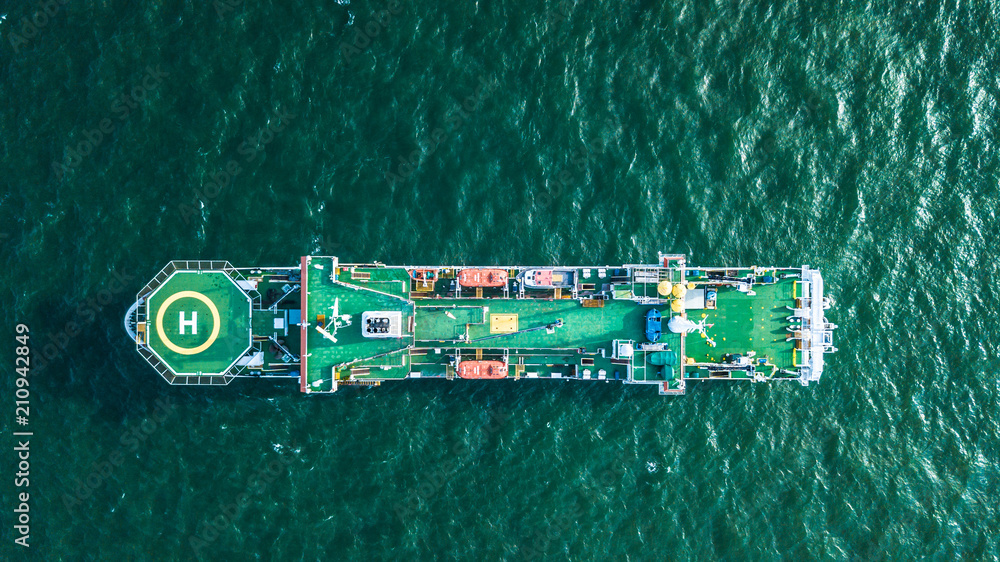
column 331, row 325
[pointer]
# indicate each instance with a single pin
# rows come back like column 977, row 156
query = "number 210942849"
column 22, row 365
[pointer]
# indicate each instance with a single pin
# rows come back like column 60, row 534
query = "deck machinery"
column 331, row 324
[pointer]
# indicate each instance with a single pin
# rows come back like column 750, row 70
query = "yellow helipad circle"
column 216, row 324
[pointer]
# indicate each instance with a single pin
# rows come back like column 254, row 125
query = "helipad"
column 199, row 322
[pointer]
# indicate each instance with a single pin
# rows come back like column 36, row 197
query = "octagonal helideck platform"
column 198, row 325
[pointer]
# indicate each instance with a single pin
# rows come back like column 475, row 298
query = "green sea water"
column 857, row 137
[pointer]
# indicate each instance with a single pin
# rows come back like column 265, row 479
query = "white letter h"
column 193, row 322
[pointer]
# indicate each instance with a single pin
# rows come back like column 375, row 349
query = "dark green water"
column 860, row 138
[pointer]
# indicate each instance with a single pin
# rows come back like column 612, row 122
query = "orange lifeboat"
column 482, row 278
column 482, row 369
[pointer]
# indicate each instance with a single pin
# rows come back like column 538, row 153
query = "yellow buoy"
column 663, row 288
column 690, row 286
column 690, row 360
column 676, row 306
column 679, row 291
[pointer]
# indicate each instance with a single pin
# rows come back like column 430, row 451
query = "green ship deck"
column 331, row 325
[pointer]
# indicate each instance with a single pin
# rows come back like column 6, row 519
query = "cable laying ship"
column 331, row 325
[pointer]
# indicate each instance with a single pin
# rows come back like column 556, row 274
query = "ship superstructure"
column 331, row 324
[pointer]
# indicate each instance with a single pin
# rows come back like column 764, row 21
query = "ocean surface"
column 857, row 137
